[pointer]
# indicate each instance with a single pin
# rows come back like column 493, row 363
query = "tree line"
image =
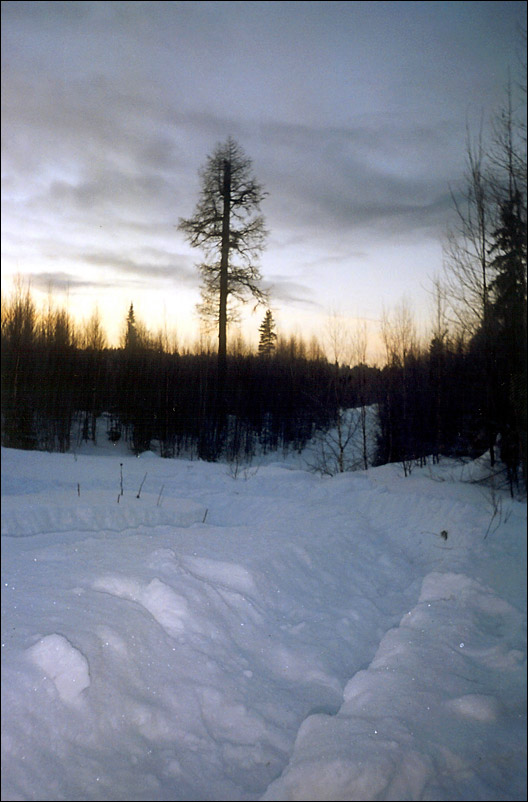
column 58, row 380
column 55, row 376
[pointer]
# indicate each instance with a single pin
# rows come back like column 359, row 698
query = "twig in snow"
column 141, row 485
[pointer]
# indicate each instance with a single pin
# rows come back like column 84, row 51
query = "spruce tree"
column 267, row 335
column 131, row 335
column 509, row 300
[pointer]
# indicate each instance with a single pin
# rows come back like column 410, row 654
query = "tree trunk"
column 224, row 263
column 220, row 411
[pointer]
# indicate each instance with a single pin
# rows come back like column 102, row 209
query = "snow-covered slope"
column 278, row 635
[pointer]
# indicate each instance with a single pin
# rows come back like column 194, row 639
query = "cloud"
column 345, row 179
column 63, row 282
column 102, row 146
column 148, row 267
column 111, row 190
column 167, row 267
column 353, row 114
column 118, row 271
column 283, row 290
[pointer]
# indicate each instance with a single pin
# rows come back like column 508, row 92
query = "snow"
column 266, row 633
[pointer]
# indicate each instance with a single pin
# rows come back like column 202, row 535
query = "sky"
column 354, row 115
column 235, row 633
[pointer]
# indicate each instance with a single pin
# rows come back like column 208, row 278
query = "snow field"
column 276, row 636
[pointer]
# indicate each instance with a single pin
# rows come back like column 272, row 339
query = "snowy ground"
column 259, row 633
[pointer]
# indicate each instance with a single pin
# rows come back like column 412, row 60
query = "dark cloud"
column 111, row 190
column 167, row 268
column 283, row 290
column 59, row 281
column 117, row 272
column 326, row 178
column 133, row 152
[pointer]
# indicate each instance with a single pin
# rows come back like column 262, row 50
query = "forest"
column 432, row 400
column 459, row 392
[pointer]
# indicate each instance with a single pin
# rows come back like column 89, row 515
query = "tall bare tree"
column 228, row 226
column 468, row 243
column 399, row 336
column 360, row 340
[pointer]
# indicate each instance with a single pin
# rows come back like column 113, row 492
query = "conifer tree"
column 509, row 300
column 268, row 336
column 228, row 227
column 131, row 335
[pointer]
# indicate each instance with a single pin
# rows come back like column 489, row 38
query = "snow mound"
column 62, row 663
column 167, row 607
column 228, row 575
column 477, row 706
